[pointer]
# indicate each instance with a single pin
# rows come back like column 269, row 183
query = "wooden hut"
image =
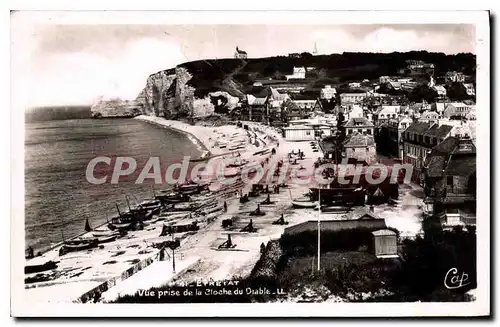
column 385, row 243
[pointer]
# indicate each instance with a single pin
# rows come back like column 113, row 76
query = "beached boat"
column 101, row 233
column 78, row 245
column 186, row 206
column 39, row 264
column 304, row 204
column 172, row 197
column 333, row 209
column 107, row 239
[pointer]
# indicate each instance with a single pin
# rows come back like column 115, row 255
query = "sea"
column 59, row 198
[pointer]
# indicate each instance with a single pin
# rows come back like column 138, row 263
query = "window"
column 308, row 132
column 360, row 130
column 369, row 131
column 449, row 181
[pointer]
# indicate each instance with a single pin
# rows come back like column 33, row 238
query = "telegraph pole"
column 173, row 254
column 319, row 228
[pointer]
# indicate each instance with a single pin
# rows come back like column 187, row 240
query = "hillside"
column 37, row 114
column 191, row 89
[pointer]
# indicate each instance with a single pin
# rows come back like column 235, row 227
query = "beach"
column 128, row 264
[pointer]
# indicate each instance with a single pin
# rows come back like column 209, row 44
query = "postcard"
column 286, row 164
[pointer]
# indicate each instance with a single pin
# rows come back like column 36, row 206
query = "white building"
column 455, row 109
column 388, row 112
column 354, row 85
column 361, row 125
column 429, row 117
column 307, row 131
column 350, row 98
column 469, row 88
column 455, row 77
column 328, row 92
column 298, row 73
column 305, row 104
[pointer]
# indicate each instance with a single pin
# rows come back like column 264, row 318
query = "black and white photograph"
column 219, row 161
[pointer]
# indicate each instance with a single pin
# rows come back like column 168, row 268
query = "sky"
column 77, row 64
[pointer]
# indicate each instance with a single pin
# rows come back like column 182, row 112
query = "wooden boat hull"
column 304, row 204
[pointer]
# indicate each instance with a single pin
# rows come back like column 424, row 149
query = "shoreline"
column 179, row 127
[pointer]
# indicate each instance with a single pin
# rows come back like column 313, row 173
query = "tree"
column 457, row 92
column 340, row 137
column 422, row 92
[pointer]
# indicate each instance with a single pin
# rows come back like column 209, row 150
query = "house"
column 308, row 130
column 298, row 73
column 389, row 136
column 440, row 90
column 418, row 67
column 350, row 98
column 360, row 147
column 469, row 88
column 354, row 111
column 384, row 113
column 450, row 182
column 384, row 79
column 336, row 225
column 429, row 117
column 385, row 244
column 328, row 92
column 471, row 115
column 456, row 109
column 420, row 107
column 361, row 125
column 298, row 133
column 240, row 54
column 454, row 76
column 306, row 104
column 290, row 111
column 255, row 108
column 294, row 55
column 354, row 85
column 276, row 99
column 325, row 105
column 408, row 86
column 418, row 140
column 394, row 85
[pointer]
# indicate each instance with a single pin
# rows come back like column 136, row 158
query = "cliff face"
column 115, row 108
column 170, row 94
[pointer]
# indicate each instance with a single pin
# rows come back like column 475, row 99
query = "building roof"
column 337, row 225
column 352, row 94
column 326, row 105
column 454, row 156
column 240, row 51
column 259, row 102
column 298, row 127
column 384, row 232
column 358, row 122
column 357, row 140
column 418, row 127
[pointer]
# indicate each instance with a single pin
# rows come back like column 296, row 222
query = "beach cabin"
column 385, row 243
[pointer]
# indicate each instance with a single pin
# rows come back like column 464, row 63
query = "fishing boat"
column 149, row 205
column 172, row 197
column 333, row 209
column 39, row 264
column 304, row 202
column 107, row 239
column 78, row 245
column 187, row 206
column 101, row 233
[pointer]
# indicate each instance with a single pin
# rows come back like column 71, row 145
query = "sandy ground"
column 200, row 255
column 80, row 272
